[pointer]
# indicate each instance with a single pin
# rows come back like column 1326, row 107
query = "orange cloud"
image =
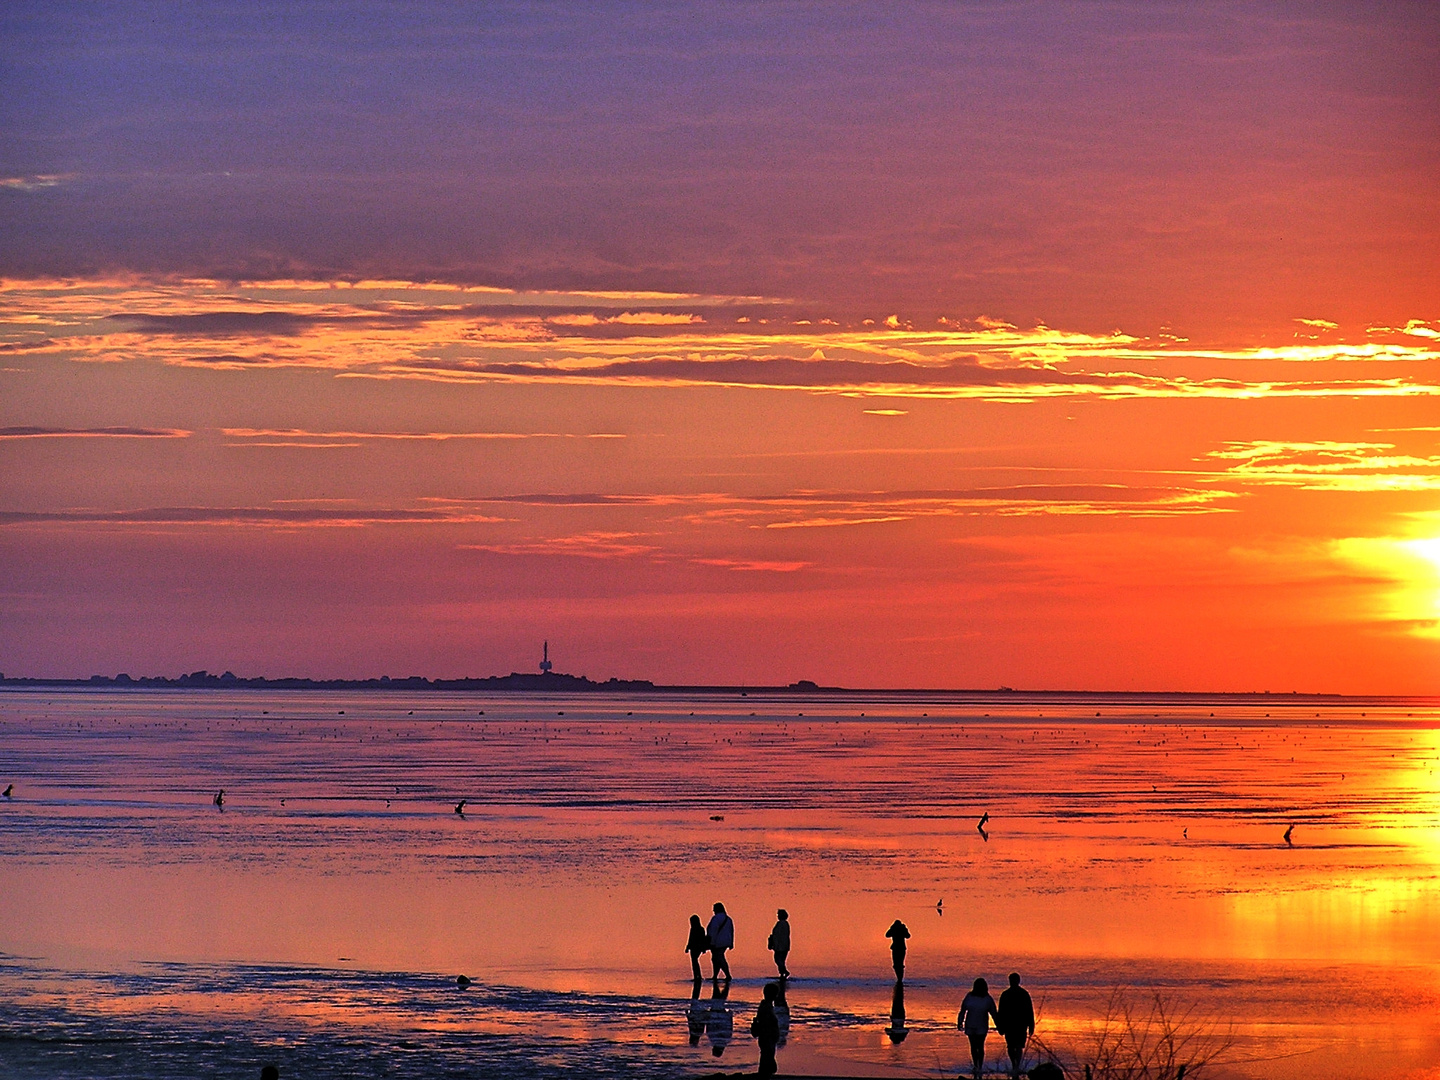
column 92, row 433
column 590, row 545
column 1332, row 466
column 264, row 516
column 407, row 330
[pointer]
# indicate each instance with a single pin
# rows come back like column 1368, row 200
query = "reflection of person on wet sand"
column 766, row 1030
column 722, row 937
column 698, row 942
column 897, row 934
column 974, row 1019
column 719, row 1024
column 896, row 1030
column 780, row 942
column 1016, row 1021
column 695, row 1015
column 782, row 1011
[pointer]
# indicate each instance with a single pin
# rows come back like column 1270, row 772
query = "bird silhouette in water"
column 460, row 807
column 9, row 790
column 984, row 819
column 1288, row 831
column 1185, row 832
column 219, row 799
column 940, row 905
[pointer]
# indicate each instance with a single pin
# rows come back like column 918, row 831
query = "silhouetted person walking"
column 975, row 1013
column 780, row 942
column 1016, row 1021
column 722, row 937
column 697, row 943
column 766, row 1029
column 897, row 934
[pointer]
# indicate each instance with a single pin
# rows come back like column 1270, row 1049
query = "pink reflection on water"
column 1141, row 844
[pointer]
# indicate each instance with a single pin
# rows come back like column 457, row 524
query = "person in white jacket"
column 722, row 937
column 976, row 1012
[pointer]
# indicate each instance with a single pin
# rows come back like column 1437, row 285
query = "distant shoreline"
column 554, row 682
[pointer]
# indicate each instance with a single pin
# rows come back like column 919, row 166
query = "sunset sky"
column 1046, row 345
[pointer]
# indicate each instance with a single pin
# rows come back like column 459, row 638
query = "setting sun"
column 511, row 511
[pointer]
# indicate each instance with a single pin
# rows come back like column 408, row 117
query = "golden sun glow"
column 1428, row 552
column 1410, row 569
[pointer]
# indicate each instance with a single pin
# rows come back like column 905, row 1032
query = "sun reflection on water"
column 1146, row 845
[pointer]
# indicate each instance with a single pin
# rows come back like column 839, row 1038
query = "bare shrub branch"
column 1141, row 1037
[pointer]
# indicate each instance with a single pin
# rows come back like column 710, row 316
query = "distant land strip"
column 556, row 682
column 204, row 680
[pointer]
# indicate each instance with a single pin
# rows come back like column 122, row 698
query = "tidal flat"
column 318, row 918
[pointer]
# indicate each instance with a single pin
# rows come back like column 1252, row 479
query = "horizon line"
column 203, row 679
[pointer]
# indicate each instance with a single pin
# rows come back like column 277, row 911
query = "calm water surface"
column 319, row 919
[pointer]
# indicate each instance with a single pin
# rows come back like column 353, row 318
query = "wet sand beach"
column 321, row 916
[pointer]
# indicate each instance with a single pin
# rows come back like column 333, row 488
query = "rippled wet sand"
column 337, row 891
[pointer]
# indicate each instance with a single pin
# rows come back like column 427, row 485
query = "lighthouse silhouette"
column 545, row 664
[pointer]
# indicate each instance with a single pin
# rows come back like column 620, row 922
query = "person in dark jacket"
column 780, row 942
column 897, row 934
column 697, row 944
column 766, row 1029
column 1016, row 1021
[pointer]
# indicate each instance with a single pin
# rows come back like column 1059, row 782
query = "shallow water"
column 321, row 917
